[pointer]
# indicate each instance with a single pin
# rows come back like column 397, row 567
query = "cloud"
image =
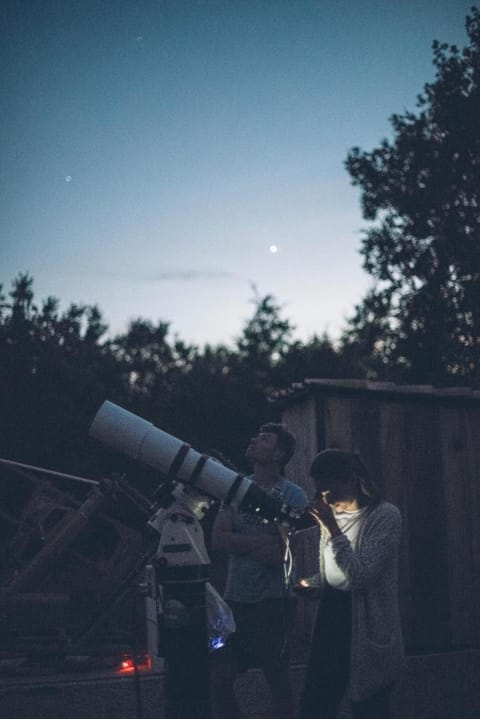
column 191, row 275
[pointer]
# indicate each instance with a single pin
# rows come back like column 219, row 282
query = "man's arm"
column 266, row 549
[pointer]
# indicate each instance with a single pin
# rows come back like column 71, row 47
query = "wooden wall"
column 425, row 456
column 301, row 420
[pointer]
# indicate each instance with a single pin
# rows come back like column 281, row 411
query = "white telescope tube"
column 141, row 440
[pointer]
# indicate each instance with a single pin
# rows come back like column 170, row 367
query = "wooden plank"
column 338, row 383
column 301, row 420
column 453, row 392
column 338, row 423
column 472, row 479
column 364, row 421
column 456, row 487
column 427, row 527
column 394, row 470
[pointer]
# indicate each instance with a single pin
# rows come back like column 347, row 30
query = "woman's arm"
column 376, row 549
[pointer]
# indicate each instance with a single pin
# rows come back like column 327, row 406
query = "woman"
column 357, row 648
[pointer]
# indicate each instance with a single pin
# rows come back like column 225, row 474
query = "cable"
column 135, row 656
column 287, row 566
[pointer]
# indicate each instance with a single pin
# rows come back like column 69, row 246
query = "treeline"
column 419, row 323
column 57, row 368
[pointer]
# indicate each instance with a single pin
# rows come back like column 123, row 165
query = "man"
column 256, row 588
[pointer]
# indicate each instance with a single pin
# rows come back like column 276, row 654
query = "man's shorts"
column 262, row 635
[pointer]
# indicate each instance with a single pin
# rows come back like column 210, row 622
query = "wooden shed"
column 423, row 446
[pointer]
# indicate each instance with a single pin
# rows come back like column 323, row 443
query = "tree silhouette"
column 57, row 367
column 54, row 373
column 421, row 320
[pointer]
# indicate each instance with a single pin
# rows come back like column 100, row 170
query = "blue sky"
column 153, row 152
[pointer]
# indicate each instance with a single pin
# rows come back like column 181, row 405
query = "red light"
column 127, row 665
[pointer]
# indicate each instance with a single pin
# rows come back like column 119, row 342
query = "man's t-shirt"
column 247, row 579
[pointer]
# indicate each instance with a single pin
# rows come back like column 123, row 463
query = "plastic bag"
column 220, row 619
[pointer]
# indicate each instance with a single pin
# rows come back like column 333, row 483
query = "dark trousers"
column 328, row 669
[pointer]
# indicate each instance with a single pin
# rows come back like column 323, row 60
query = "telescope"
column 181, row 569
column 139, row 439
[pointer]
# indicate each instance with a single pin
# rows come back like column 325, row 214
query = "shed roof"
column 298, row 391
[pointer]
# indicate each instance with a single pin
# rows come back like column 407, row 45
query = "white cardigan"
column 376, row 655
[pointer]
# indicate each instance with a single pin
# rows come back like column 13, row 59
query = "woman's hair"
column 345, row 466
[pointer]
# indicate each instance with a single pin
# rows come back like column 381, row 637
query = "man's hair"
column 344, row 466
column 285, row 439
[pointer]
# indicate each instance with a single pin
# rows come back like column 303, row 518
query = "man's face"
column 263, row 449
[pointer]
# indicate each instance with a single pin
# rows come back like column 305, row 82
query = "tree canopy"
column 421, row 190
column 57, row 368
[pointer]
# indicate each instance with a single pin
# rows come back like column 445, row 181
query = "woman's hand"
column 307, row 588
column 323, row 514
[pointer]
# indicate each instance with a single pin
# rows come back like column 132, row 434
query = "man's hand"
column 269, row 551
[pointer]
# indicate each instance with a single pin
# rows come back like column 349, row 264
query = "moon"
column 273, row 249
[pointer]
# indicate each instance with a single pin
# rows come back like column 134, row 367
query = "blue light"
column 216, row 642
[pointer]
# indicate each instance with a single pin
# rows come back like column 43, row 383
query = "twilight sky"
column 155, row 154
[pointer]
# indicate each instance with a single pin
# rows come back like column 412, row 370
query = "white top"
column 349, row 524
column 376, row 652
